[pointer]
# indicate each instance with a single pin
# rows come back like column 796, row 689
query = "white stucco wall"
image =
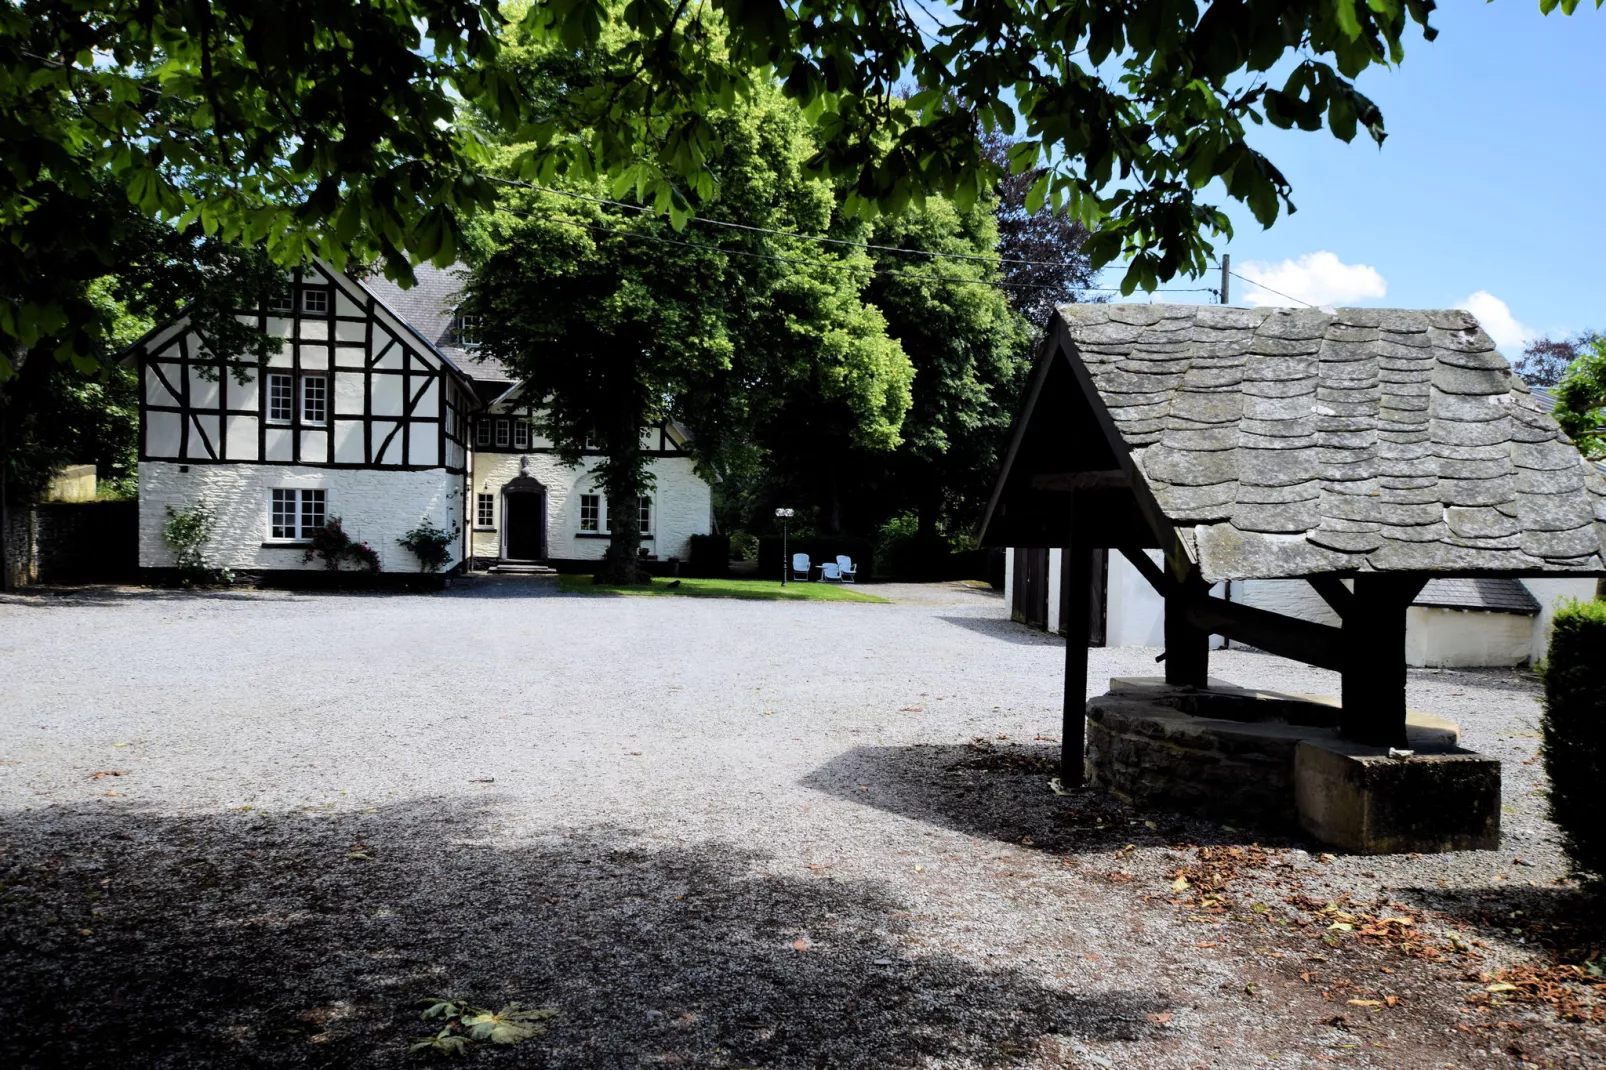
column 682, row 504
column 1291, row 598
column 375, row 506
column 1134, row 614
column 1549, row 593
column 1451, row 638
column 1056, row 572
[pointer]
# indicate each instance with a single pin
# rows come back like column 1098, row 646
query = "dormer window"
column 464, row 332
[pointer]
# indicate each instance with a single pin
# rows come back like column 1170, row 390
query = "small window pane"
column 281, row 398
column 521, row 435
column 281, row 302
column 501, row 432
column 314, row 399
column 644, row 511
column 312, row 512
column 590, row 512
column 283, row 523
column 315, row 300
column 465, row 331
column 482, row 432
column 485, row 510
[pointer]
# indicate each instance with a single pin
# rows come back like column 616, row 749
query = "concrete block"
column 1357, row 798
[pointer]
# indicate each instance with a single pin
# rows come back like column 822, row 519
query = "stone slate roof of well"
column 1288, row 442
column 1496, row 594
column 429, row 306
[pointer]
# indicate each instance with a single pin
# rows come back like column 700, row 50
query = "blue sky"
column 1490, row 182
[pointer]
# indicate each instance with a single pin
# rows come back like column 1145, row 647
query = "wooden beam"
column 1373, row 648
column 1333, row 592
column 1149, row 570
column 1076, row 608
column 1315, row 644
column 1073, row 481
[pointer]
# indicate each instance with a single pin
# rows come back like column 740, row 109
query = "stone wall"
column 376, row 506
column 72, row 542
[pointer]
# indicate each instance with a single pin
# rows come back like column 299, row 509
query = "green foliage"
column 1574, row 726
column 614, row 323
column 331, row 543
column 430, row 543
column 325, row 129
column 1131, row 109
column 186, row 532
column 694, row 587
column 1581, row 399
column 466, row 1025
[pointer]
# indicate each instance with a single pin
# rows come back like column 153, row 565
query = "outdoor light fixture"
column 783, row 515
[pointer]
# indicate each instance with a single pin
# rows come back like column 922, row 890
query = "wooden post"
column 1373, row 679
column 1077, row 566
column 1187, row 647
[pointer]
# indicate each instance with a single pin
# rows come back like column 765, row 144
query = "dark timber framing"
column 170, row 369
column 1069, row 481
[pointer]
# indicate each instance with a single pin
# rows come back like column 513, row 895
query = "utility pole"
column 1226, row 277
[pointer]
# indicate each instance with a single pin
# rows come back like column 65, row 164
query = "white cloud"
column 1315, row 278
column 1497, row 321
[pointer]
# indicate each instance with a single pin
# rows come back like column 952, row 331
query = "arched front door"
column 523, row 519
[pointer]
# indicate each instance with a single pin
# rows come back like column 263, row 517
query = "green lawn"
column 710, row 588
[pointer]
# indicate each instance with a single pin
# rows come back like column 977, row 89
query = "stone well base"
column 1234, row 754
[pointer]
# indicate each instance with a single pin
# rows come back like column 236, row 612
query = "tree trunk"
column 623, row 481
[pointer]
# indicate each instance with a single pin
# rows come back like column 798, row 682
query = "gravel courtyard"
column 255, row 829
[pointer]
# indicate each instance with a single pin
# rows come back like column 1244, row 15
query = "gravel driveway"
column 254, row 829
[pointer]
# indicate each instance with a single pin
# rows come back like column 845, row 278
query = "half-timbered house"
column 378, row 409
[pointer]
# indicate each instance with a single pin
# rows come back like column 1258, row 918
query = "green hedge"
column 710, row 555
column 1574, row 725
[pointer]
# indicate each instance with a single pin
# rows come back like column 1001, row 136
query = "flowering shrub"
column 331, row 543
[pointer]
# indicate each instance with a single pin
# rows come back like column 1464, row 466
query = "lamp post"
column 783, row 515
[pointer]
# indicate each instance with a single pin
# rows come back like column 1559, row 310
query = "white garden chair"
column 829, row 571
column 800, row 566
column 845, row 566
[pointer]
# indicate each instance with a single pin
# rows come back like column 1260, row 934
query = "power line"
column 1269, row 290
column 793, row 234
column 815, row 263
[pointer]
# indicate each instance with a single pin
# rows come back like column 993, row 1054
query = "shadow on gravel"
column 49, row 597
column 255, row 940
column 1006, row 630
column 1000, row 791
column 1568, row 923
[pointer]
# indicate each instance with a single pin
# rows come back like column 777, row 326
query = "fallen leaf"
column 1151, row 824
column 1365, row 1003
column 107, row 773
column 800, row 945
column 1392, row 1001
column 1205, row 943
column 1501, row 986
column 1180, row 884
column 913, row 709
column 1160, row 1018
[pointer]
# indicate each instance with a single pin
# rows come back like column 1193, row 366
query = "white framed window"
column 315, row 299
column 501, row 431
column 591, row 512
column 296, row 514
column 485, row 510
column 283, row 301
column 281, row 398
column 521, row 435
column 592, row 441
column 314, row 399
column 482, row 432
column 644, row 515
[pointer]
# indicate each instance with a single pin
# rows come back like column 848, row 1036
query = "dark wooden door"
column 526, row 526
column 1031, row 586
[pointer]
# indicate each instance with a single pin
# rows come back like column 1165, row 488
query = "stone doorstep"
column 1356, row 798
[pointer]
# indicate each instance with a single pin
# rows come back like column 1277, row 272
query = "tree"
column 1545, row 361
column 1581, row 399
column 616, row 323
column 1131, row 109
column 1041, row 256
column 306, row 129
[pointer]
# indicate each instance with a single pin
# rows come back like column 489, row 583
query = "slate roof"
column 429, row 306
column 1496, row 594
column 1284, row 442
